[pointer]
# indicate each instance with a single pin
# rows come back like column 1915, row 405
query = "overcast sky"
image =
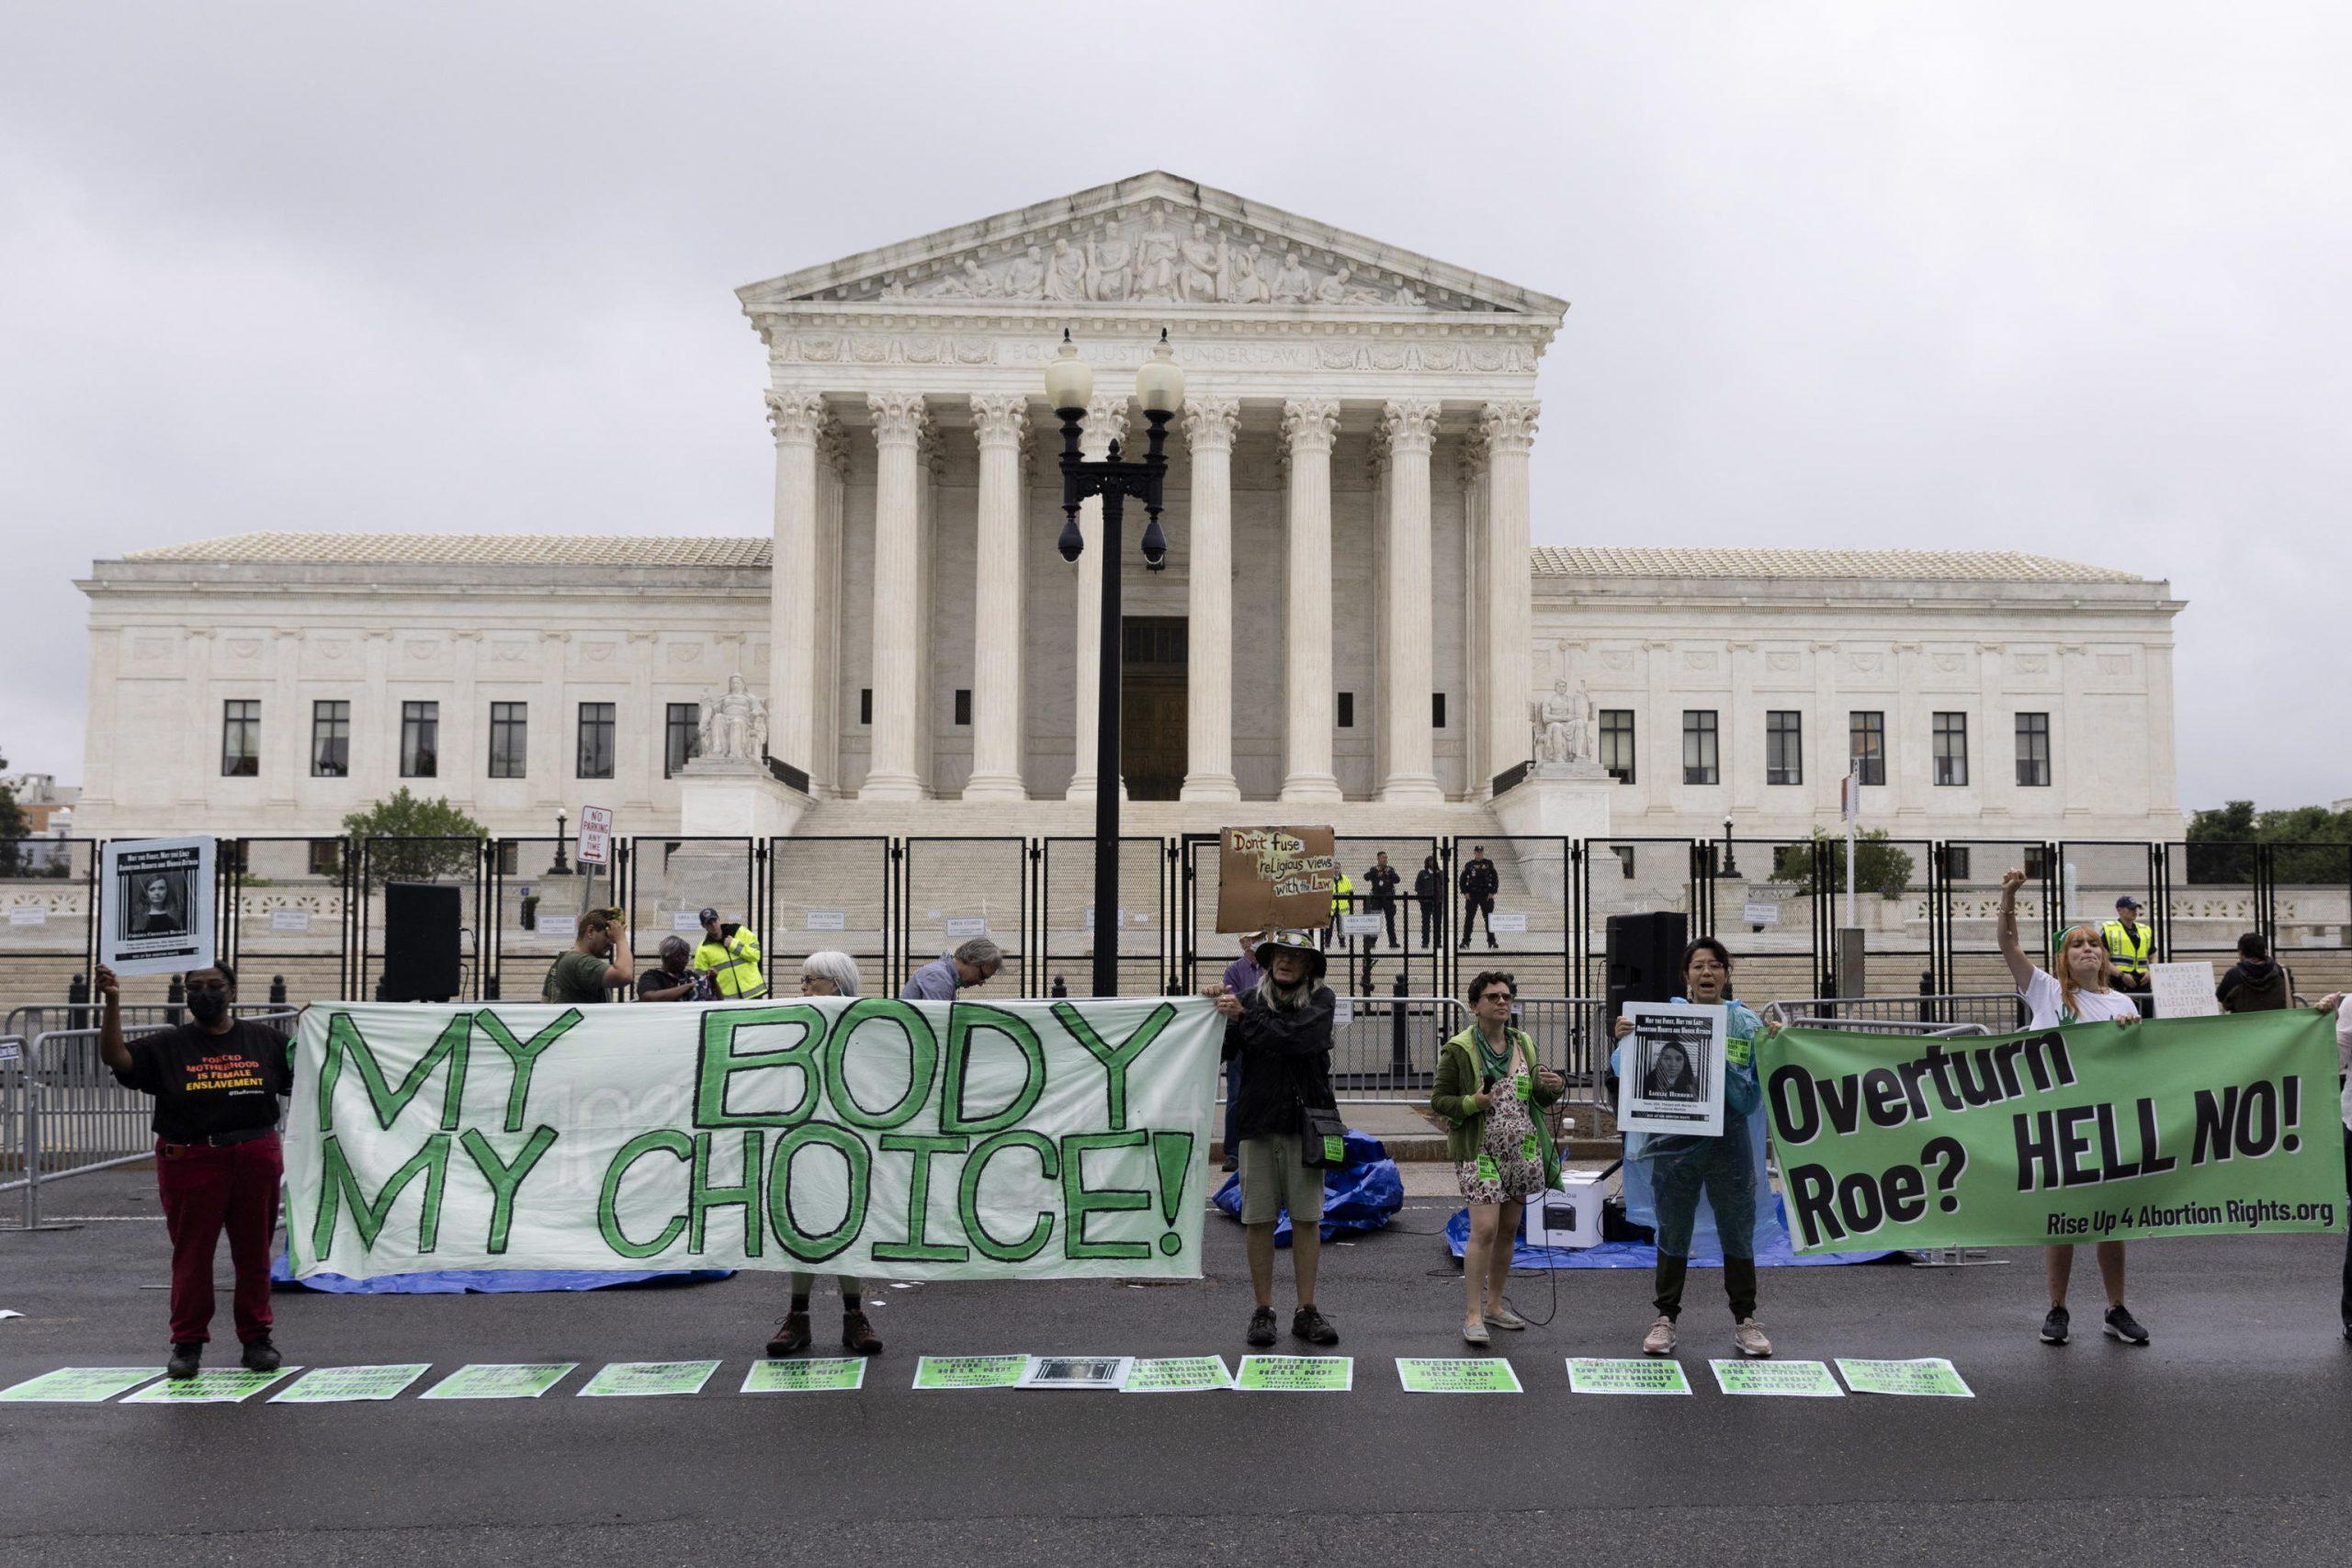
column 2059, row 277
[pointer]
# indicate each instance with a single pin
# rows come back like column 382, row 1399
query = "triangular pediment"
column 1154, row 241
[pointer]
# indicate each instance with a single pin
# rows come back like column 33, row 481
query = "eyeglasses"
column 208, row 985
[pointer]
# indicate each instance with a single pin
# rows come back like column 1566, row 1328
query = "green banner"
column 886, row 1139
column 2183, row 1126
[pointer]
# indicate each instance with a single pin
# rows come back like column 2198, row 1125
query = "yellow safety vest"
column 1342, row 896
column 2129, row 949
column 734, row 966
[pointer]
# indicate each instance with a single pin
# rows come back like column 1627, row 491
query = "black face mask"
column 208, row 1007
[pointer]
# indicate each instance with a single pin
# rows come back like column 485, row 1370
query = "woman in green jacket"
column 1489, row 1089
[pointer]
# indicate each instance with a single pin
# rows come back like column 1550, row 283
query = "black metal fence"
column 303, row 919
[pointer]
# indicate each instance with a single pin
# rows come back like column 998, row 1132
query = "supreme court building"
column 1352, row 624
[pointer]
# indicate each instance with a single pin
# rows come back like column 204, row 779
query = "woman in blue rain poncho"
column 1728, row 1171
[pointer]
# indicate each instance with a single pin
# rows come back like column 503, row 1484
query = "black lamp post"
column 1159, row 388
column 561, row 867
column 1731, row 855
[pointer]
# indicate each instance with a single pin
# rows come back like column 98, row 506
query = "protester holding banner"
column 215, row 1080
column 1288, row 1120
column 2082, row 991
column 975, row 963
column 1241, row 976
column 1728, row 1170
column 730, row 954
column 597, row 963
column 1487, row 1087
column 827, row 974
column 676, row 980
column 2253, row 983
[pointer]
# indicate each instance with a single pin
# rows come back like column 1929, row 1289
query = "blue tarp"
column 1772, row 1251
column 484, row 1282
column 1363, row 1195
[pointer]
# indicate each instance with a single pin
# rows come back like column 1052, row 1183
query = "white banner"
column 897, row 1140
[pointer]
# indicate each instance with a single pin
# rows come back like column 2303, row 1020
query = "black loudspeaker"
column 423, row 923
column 1644, row 953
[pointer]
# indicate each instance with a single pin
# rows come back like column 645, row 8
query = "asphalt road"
column 2225, row 1441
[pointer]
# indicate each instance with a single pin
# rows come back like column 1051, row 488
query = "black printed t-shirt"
column 205, row 1085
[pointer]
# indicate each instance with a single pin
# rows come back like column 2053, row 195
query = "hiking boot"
column 1474, row 1332
column 857, row 1334
column 185, row 1363
column 1261, row 1326
column 261, row 1356
column 791, row 1336
column 1503, row 1317
column 1748, row 1339
column 1659, row 1340
column 1312, row 1327
column 2122, row 1325
column 2054, row 1328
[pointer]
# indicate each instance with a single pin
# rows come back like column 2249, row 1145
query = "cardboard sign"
column 2183, row 990
column 1275, row 876
column 595, row 835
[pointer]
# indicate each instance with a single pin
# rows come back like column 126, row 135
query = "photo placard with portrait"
column 158, row 897
column 1671, row 1072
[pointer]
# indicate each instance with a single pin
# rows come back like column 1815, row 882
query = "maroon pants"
column 207, row 1190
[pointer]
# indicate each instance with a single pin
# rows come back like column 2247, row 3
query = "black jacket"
column 1479, row 879
column 1285, row 1064
column 2250, row 987
column 1384, row 885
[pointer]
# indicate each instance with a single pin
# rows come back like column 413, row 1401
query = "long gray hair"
column 838, row 968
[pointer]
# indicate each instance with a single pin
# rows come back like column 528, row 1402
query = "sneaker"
column 2054, row 1328
column 1261, row 1326
column 1312, row 1327
column 2122, row 1325
column 1474, row 1332
column 857, row 1334
column 261, row 1356
column 791, row 1336
column 1659, row 1340
column 1748, row 1339
column 1503, row 1317
column 185, row 1363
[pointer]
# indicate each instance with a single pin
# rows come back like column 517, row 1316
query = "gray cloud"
column 2052, row 278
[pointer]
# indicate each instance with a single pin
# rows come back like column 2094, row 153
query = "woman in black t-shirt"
column 215, row 1081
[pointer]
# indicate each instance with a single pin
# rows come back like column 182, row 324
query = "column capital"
column 1411, row 425
column 900, row 418
column 1509, row 424
column 1310, row 424
column 1212, row 422
column 796, row 416
column 1000, row 419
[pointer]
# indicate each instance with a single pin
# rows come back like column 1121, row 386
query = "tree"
column 415, row 840
column 1879, row 866
column 12, row 828
column 2308, row 845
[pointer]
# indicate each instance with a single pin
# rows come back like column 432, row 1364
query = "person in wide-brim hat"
column 1306, row 946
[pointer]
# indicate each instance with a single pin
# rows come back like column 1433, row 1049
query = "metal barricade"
column 13, row 1165
column 1384, row 1048
column 2000, row 1013
column 1909, row 1027
column 1571, row 1035
column 73, row 1117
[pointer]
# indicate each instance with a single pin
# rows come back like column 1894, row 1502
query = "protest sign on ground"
column 78, row 1385
column 970, row 1372
column 1603, row 1374
column 221, row 1385
column 1275, row 876
column 501, row 1380
column 2092, row 1132
column 1801, row 1380
column 1456, row 1374
column 1931, row 1376
column 823, row 1374
column 1177, row 1374
column 623, row 1379
column 1296, row 1374
column 340, row 1385
column 887, row 1139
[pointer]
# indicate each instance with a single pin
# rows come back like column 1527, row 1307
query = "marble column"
column 797, row 419
column 832, row 483
column 1106, row 420
column 1509, row 430
column 1309, row 424
column 1209, row 427
column 1409, row 668
column 899, row 420
column 1001, row 422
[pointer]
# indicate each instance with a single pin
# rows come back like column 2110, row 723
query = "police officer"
column 2127, row 944
column 730, row 956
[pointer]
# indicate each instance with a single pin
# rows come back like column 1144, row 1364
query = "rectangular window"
column 1866, row 736
column 326, row 857
column 1783, row 746
column 1625, row 853
column 595, row 740
column 510, row 726
column 510, row 858
column 2033, row 750
column 1957, row 862
column 420, row 739
column 1700, row 763
column 240, row 739
column 330, row 739
column 1437, row 710
column 1346, row 710
column 865, row 705
column 1952, row 748
column 680, row 738
column 1617, row 743
column 963, row 706
column 2037, row 860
